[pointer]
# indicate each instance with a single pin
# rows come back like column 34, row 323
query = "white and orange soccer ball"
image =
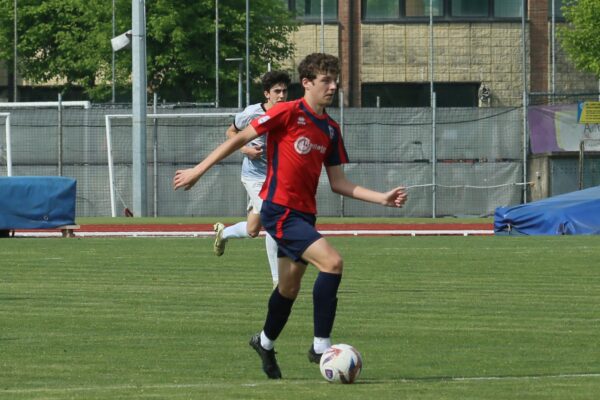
column 341, row 363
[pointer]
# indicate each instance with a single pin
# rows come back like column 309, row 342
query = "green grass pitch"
column 434, row 317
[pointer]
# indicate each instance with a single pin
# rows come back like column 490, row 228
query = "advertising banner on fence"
column 557, row 128
column 588, row 112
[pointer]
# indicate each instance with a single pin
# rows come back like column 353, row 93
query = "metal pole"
column 155, row 156
column 216, row 53
column 15, row 54
column 580, row 164
column 8, row 143
column 240, row 85
column 60, row 136
column 113, row 55
column 434, row 159
column 431, row 52
column 139, row 103
column 553, row 49
column 433, row 105
column 524, row 67
column 86, row 151
column 240, row 61
column 322, row 29
column 342, row 127
column 341, row 101
column 247, row 53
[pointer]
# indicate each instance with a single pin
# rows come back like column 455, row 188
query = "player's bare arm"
column 341, row 185
column 187, row 178
column 252, row 152
column 231, row 131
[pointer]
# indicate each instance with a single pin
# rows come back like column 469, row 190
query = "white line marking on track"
column 365, row 232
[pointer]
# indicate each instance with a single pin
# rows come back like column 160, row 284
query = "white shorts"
column 253, row 187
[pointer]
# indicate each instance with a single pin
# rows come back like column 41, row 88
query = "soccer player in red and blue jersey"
column 301, row 139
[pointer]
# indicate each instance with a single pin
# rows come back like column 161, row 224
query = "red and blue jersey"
column 299, row 143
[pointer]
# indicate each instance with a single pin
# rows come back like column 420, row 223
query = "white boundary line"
column 300, row 382
column 365, row 232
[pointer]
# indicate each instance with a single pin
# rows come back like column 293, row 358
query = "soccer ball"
column 341, row 363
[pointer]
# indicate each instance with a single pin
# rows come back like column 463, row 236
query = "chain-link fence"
column 468, row 165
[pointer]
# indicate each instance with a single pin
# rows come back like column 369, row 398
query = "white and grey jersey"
column 257, row 168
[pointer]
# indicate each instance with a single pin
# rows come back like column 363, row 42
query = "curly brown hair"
column 272, row 78
column 318, row 63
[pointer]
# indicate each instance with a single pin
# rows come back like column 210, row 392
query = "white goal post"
column 31, row 104
column 8, row 141
column 107, row 122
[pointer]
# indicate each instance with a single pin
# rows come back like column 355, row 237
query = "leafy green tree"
column 68, row 42
column 580, row 37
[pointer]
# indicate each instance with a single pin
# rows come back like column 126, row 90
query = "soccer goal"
column 12, row 118
column 170, row 147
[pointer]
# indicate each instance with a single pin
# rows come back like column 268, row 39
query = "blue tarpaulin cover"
column 575, row 213
column 36, row 202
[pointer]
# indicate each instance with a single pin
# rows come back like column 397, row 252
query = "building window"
column 420, row 8
column 387, row 10
column 391, row 94
column 310, row 10
column 558, row 4
column 381, row 9
column 451, row 94
column 469, row 8
column 461, row 94
column 508, row 8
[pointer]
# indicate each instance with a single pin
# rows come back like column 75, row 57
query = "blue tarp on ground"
column 37, row 202
column 575, row 213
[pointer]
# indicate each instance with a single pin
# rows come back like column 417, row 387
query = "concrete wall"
column 463, row 52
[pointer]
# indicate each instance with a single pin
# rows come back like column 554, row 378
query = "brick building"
column 385, row 47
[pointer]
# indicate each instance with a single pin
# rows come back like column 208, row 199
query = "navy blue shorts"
column 293, row 230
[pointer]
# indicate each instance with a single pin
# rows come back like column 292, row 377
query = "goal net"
column 21, row 113
column 174, row 141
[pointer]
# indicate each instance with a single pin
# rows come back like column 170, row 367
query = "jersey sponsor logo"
column 301, row 120
column 302, row 145
column 263, row 119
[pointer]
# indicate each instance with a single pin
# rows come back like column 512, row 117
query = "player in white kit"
column 254, row 170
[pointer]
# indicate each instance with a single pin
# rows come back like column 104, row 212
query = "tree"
column 68, row 41
column 580, row 37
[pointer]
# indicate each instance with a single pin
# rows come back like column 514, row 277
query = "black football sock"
column 279, row 310
column 325, row 303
